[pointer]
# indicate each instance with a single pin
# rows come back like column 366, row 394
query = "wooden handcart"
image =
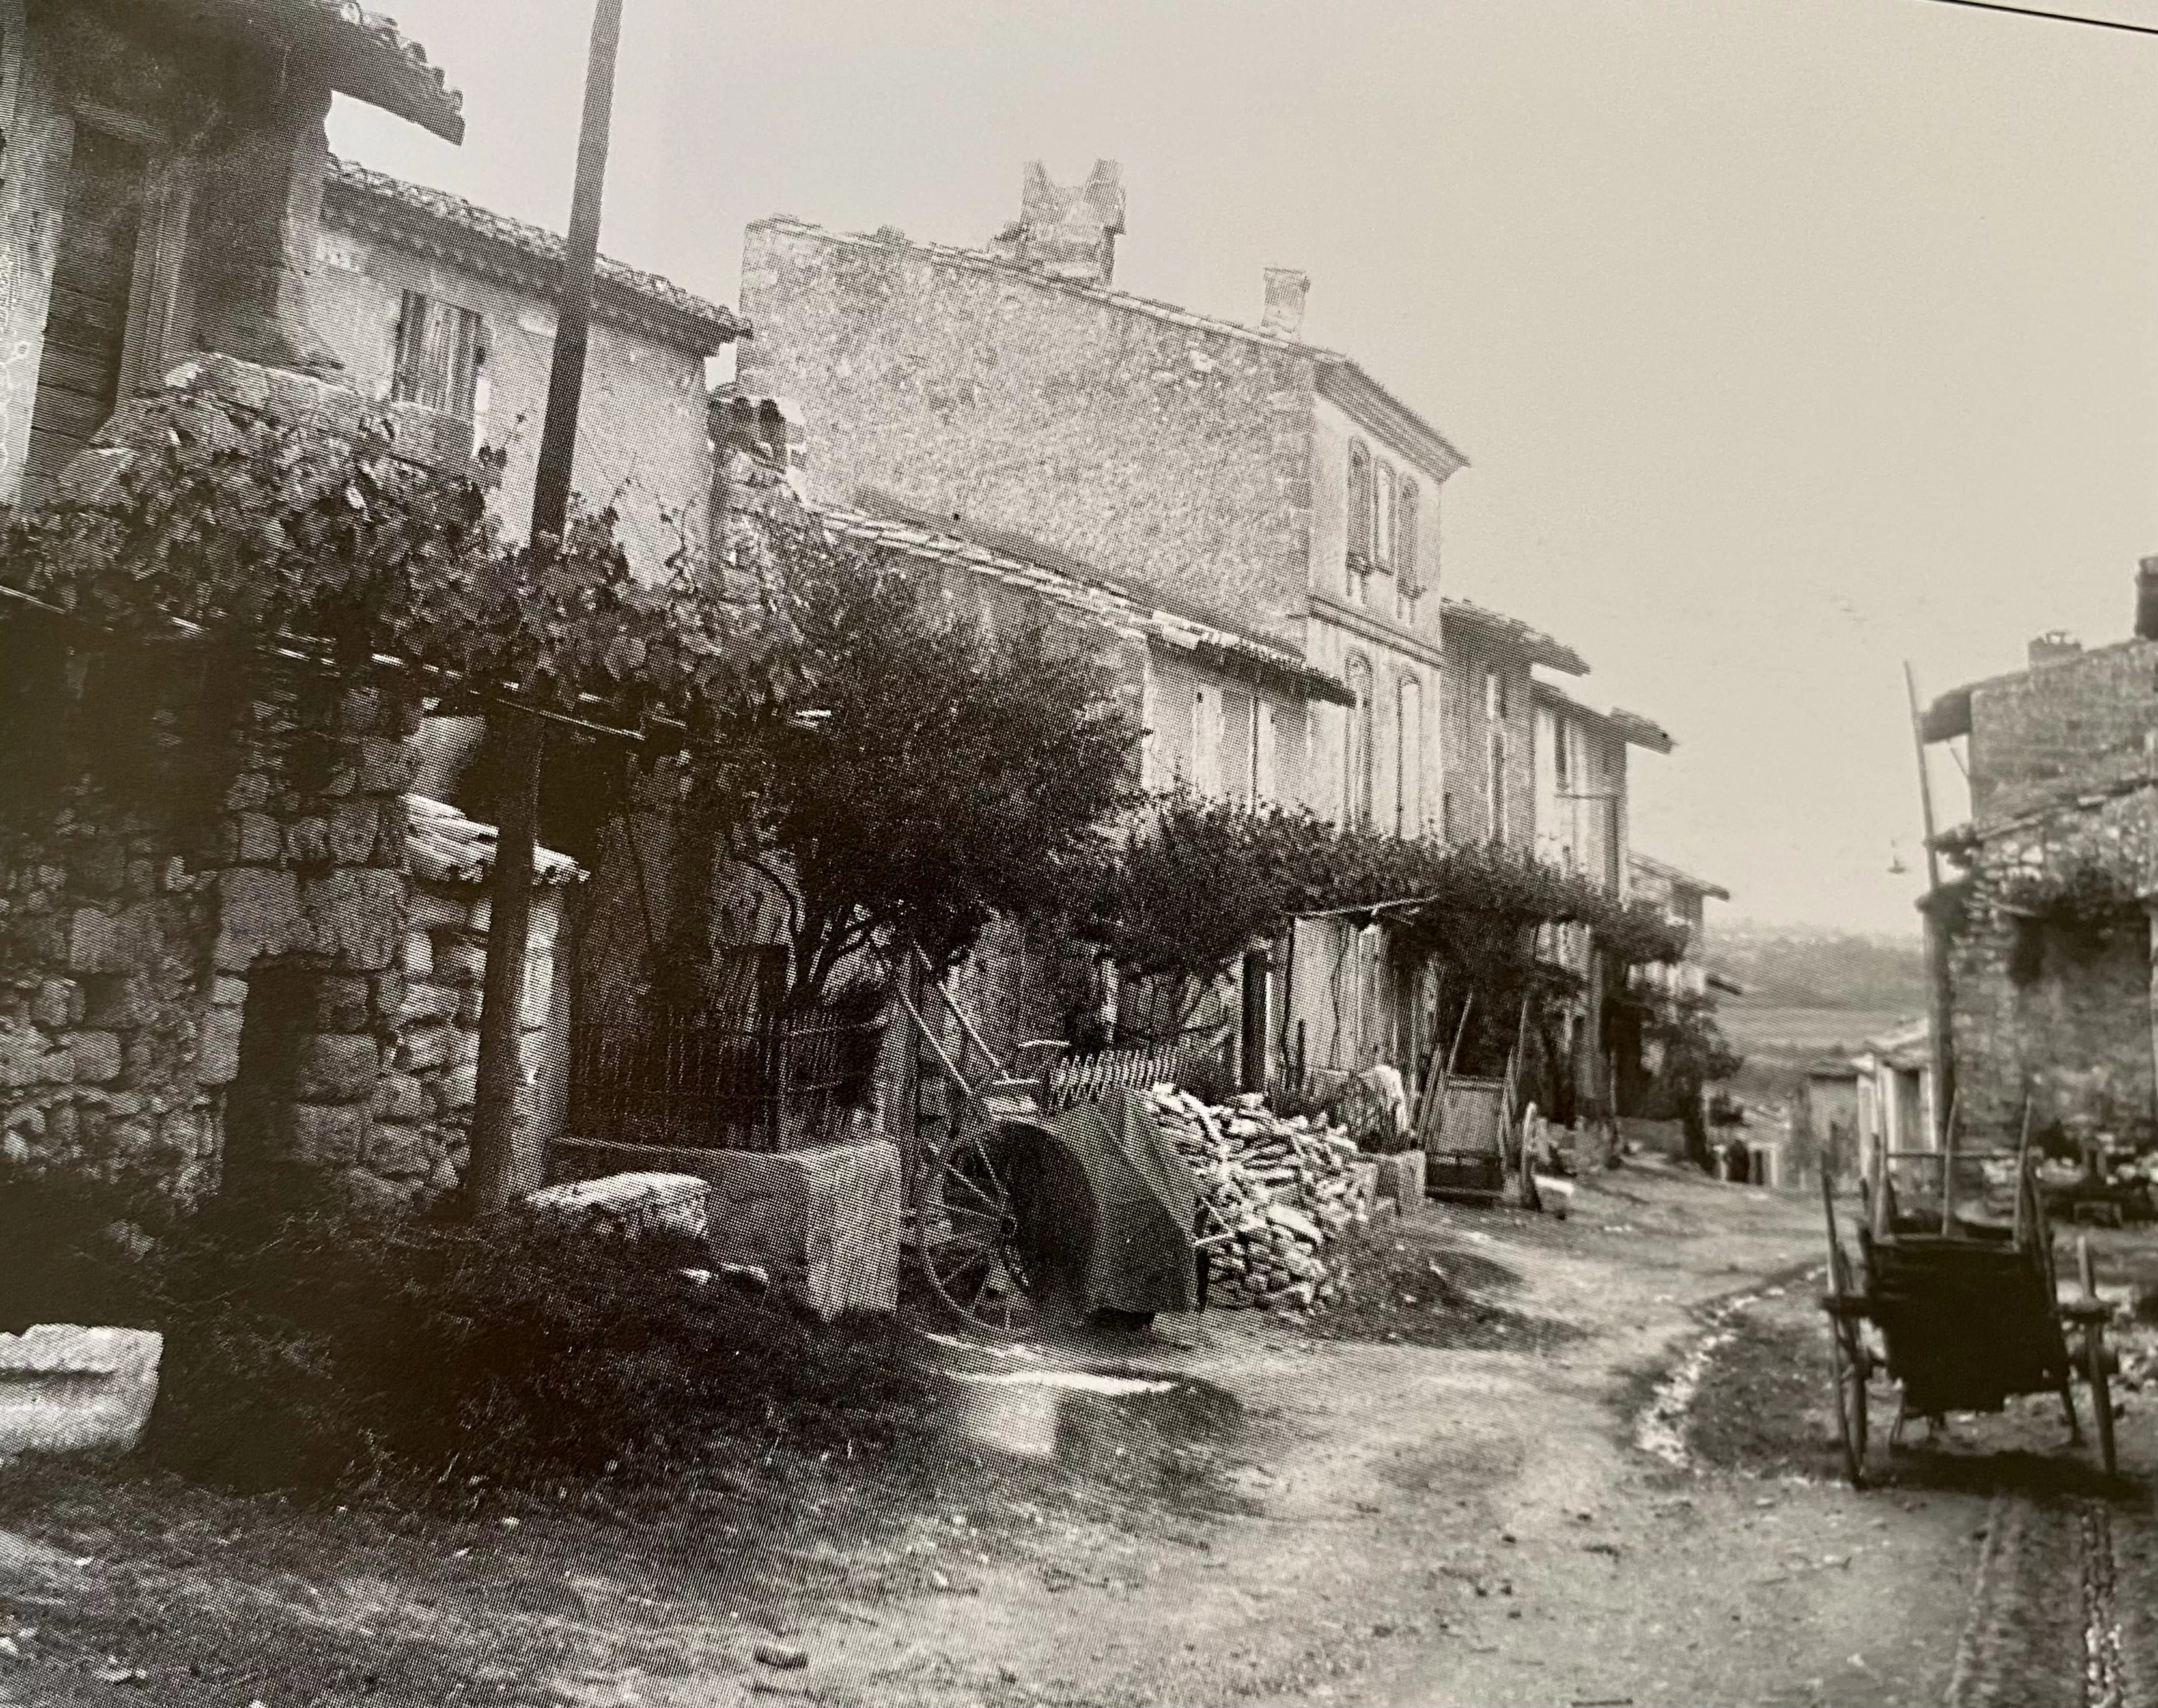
column 1966, row 1313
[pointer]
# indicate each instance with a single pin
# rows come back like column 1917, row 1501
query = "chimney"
column 1285, row 290
column 1067, row 234
column 2054, row 647
column 2146, row 600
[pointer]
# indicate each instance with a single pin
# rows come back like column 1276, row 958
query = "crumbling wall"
column 2056, row 1004
column 2079, row 722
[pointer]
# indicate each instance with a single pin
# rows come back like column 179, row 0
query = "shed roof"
column 1676, row 879
column 1630, row 727
column 1342, row 376
column 1512, row 633
column 1225, row 649
column 530, row 256
column 363, row 54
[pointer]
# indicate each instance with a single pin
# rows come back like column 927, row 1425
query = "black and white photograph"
column 1141, row 854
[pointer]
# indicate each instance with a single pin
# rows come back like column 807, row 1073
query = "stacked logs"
column 1276, row 1192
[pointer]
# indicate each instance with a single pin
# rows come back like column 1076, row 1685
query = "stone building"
column 235, row 944
column 2048, row 928
column 427, row 297
column 1235, row 472
column 164, row 185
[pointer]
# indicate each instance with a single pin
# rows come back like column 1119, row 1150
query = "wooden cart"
column 1966, row 1315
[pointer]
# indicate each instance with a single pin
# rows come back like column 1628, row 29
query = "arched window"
column 1408, row 759
column 1383, row 517
column 1356, row 750
column 1405, row 540
column 1359, row 510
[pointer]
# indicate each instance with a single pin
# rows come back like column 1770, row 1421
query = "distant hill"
column 1800, row 967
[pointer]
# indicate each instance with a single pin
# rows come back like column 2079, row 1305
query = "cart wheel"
column 2098, row 1358
column 1848, row 1361
column 2098, row 1368
column 999, row 1219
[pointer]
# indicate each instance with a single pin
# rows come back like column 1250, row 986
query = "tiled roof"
column 532, row 254
column 1540, row 647
column 1676, row 879
column 1631, row 727
column 1360, row 383
column 445, row 847
column 1112, row 605
column 364, row 53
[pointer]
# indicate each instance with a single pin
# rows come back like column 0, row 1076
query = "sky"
column 1788, row 340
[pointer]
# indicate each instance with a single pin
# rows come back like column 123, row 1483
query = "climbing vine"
column 1197, row 884
column 288, row 537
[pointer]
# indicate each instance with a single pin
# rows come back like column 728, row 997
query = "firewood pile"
column 1278, row 1192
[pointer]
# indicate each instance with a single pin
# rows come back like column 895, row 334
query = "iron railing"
column 720, row 1082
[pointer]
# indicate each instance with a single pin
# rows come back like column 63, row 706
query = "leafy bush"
column 317, row 1352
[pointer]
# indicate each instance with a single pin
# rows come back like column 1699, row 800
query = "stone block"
column 418, row 959
column 386, row 993
column 357, row 915
column 1401, row 1178
column 326, row 1135
column 217, row 1047
column 649, row 1201
column 459, row 1086
column 353, row 828
column 253, row 840
column 93, row 941
column 57, row 1005
column 824, row 1224
column 423, row 1048
column 97, row 1057
column 307, row 842
column 400, row 1096
column 458, row 959
column 398, row 1152
column 68, row 1389
column 227, row 992
column 426, row 1000
column 337, row 1067
column 258, row 915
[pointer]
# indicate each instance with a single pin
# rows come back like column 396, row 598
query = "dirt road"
column 1435, row 1497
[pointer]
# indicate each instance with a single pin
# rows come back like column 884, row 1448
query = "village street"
column 1311, row 1512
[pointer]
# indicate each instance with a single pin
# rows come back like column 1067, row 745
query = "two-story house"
column 427, row 297
column 1237, row 472
column 2047, row 934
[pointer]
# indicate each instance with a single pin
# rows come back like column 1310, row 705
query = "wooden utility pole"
column 493, row 1177
column 1937, row 969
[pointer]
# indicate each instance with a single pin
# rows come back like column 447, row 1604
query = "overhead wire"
column 2113, row 24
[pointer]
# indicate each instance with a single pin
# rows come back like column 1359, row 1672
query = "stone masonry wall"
column 2080, row 723
column 2061, row 1009
column 1170, row 453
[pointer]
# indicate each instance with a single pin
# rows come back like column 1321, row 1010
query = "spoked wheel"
column 1851, row 1366
column 2098, row 1360
column 996, row 1213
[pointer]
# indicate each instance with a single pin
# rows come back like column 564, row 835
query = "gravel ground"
column 1300, row 1512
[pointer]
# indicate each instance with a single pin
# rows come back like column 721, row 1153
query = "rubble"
column 1276, row 1193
